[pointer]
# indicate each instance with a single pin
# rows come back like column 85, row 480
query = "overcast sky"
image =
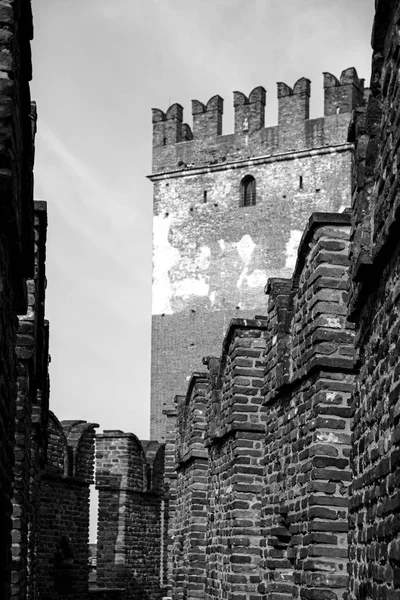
column 99, row 67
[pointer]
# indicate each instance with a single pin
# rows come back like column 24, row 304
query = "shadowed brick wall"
column 189, row 553
column 63, row 524
column 131, row 532
column 212, row 255
column 16, row 238
column 374, row 305
column 170, row 491
column 31, row 420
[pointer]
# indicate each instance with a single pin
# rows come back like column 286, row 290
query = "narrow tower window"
column 248, row 191
column 205, row 196
column 301, row 182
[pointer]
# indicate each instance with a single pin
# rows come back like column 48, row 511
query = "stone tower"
column 229, row 211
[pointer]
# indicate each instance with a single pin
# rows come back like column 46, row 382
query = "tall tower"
column 229, row 211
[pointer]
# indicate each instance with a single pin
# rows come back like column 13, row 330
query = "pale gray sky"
column 99, row 67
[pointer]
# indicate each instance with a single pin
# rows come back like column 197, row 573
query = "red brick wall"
column 16, row 238
column 190, row 515
column 309, row 377
column 63, row 522
column 31, row 419
column 374, row 306
column 278, row 412
column 129, row 477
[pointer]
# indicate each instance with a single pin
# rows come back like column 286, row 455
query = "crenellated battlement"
column 177, row 146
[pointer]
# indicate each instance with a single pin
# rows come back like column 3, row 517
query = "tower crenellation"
column 249, row 111
column 344, row 95
column 293, row 103
column 176, row 146
column 207, row 119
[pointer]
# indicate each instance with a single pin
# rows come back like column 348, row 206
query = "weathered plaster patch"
column 191, row 286
column 257, row 278
column 292, row 247
column 203, row 260
column 165, row 256
column 245, row 248
column 222, row 245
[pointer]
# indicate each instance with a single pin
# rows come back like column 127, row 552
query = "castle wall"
column 63, row 523
column 309, row 377
column 235, row 434
column 374, row 305
column 129, row 478
column 212, row 255
column 170, row 494
column 190, row 515
column 176, row 147
column 31, row 420
column 16, row 240
column 278, row 439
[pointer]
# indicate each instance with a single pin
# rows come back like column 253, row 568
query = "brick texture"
column 131, row 526
column 189, row 552
column 63, row 522
column 309, row 378
column 16, row 239
column 31, row 420
column 374, row 306
column 263, row 441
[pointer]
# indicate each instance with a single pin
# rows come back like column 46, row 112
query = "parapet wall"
column 32, row 408
column 374, row 539
column 190, row 510
column 264, row 511
column 309, row 376
column 17, row 124
column 131, row 517
column 63, row 522
column 177, row 147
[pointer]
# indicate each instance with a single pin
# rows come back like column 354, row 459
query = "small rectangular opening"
column 205, row 196
column 301, row 182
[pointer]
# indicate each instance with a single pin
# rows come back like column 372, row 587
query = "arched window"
column 248, row 191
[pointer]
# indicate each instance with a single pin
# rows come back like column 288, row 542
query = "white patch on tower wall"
column 245, row 249
column 203, row 261
column 212, row 297
column 191, row 287
column 165, row 256
column 256, row 279
column 292, row 247
column 222, row 245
